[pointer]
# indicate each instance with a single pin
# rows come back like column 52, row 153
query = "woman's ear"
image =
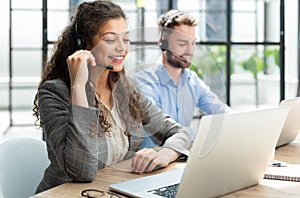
column 89, row 46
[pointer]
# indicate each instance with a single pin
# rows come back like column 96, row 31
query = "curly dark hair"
column 89, row 17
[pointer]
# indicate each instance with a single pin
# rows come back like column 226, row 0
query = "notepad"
column 289, row 173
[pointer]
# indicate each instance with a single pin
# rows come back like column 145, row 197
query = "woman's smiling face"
column 112, row 44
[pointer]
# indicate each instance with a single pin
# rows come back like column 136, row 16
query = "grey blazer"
column 75, row 152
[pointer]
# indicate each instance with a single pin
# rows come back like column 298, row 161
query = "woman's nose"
column 122, row 45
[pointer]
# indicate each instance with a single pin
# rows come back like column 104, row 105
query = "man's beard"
column 175, row 61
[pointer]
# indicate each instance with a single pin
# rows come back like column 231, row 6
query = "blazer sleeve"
column 69, row 132
column 165, row 129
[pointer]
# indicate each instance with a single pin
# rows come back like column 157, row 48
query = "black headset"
column 163, row 44
column 81, row 42
column 168, row 18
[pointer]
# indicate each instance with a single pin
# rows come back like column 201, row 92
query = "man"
column 170, row 84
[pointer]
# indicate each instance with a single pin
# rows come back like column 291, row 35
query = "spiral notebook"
column 291, row 172
column 230, row 152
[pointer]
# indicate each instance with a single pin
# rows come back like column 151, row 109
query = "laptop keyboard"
column 166, row 191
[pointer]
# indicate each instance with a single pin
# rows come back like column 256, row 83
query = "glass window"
column 255, row 76
column 27, row 29
column 4, row 87
column 215, row 20
column 26, row 58
column 211, row 16
column 243, row 88
column 58, row 4
column 50, row 51
column 273, row 21
column 4, row 61
column 245, row 5
column 141, row 57
column 255, row 21
column 22, row 104
column 130, row 9
column 244, row 27
column 4, row 39
column 57, row 21
column 27, row 63
column 132, row 21
column 254, row 69
column 28, row 4
column 209, row 62
column 248, row 21
column 149, row 34
column 191, row 5
column 151, row 18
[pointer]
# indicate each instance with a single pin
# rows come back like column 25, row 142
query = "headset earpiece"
column 81, row 43
column 163, row 45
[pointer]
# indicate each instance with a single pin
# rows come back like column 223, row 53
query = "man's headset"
column 166, row 20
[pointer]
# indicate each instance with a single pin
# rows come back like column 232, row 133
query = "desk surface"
column 266, row 188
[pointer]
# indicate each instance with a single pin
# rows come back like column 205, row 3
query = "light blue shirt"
column 179, row 101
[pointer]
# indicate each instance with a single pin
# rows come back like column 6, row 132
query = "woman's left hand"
column 147, row 159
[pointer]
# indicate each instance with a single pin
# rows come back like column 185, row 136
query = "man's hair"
column 174, row 18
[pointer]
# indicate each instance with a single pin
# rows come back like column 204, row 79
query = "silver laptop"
column 291, row 127
column 230, row 152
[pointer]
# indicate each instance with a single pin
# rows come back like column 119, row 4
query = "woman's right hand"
column 78, row 70
column 77, row 66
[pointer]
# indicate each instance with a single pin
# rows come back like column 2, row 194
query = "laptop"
column 230, row 152
column 291, row 127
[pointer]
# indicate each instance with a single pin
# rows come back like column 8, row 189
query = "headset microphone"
column 106, row 66
column 177, row 57
column 174, row 64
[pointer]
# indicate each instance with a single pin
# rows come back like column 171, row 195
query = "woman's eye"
column 109, row 41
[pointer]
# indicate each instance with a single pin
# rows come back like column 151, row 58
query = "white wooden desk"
column 266, row 188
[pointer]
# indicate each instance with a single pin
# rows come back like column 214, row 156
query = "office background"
column 247, row 50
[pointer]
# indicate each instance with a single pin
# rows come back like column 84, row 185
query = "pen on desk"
column 279, row 164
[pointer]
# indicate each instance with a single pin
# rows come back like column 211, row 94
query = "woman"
column 91, row 114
